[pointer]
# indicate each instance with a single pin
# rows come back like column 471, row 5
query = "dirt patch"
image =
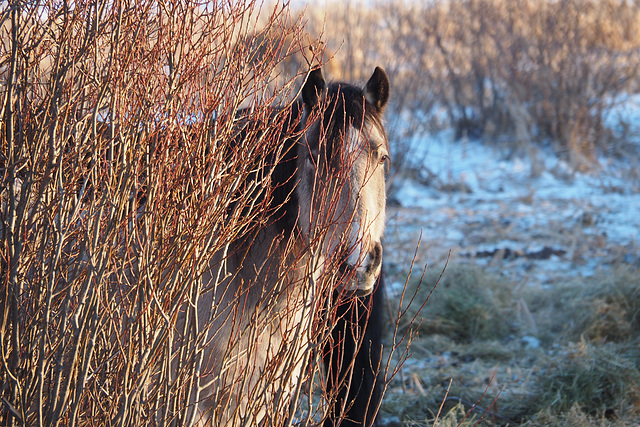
column 509, row 253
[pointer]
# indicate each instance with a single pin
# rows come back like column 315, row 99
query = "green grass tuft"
column 469, row 304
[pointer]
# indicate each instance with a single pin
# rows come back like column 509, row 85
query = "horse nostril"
column 375, row 257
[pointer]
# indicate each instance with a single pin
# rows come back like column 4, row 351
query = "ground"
column 538, row 312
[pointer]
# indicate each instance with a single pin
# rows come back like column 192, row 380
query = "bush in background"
column 521, row 74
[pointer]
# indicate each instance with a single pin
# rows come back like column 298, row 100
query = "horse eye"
column 384, row 158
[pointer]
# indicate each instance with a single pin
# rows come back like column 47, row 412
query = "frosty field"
column 538, row 306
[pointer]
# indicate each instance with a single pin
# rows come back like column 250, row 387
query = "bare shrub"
column 118, row 180
column 124, row 166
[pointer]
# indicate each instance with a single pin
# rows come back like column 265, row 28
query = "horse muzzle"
column 368, row 271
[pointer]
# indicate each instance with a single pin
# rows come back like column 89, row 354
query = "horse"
column 264, row 295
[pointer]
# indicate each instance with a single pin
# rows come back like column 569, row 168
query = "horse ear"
column 313, row 89
column 376, row 91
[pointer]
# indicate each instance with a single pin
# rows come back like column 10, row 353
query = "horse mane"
column 281, row 163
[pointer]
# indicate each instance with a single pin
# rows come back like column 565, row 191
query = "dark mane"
column 284, row 198
column 281, row 207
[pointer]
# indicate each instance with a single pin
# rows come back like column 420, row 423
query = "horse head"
column 341, row 163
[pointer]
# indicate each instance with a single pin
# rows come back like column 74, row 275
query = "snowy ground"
column 536, row 232
column 492, row 211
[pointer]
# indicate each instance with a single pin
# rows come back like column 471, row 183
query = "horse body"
column 262, row 296
column 260, row 317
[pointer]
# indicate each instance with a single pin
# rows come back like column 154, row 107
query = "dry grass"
column 600, row 379
column 603, row 308
column 585, row 371
column 468, row 305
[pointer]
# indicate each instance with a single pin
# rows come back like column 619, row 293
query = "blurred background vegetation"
column 523, row 76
